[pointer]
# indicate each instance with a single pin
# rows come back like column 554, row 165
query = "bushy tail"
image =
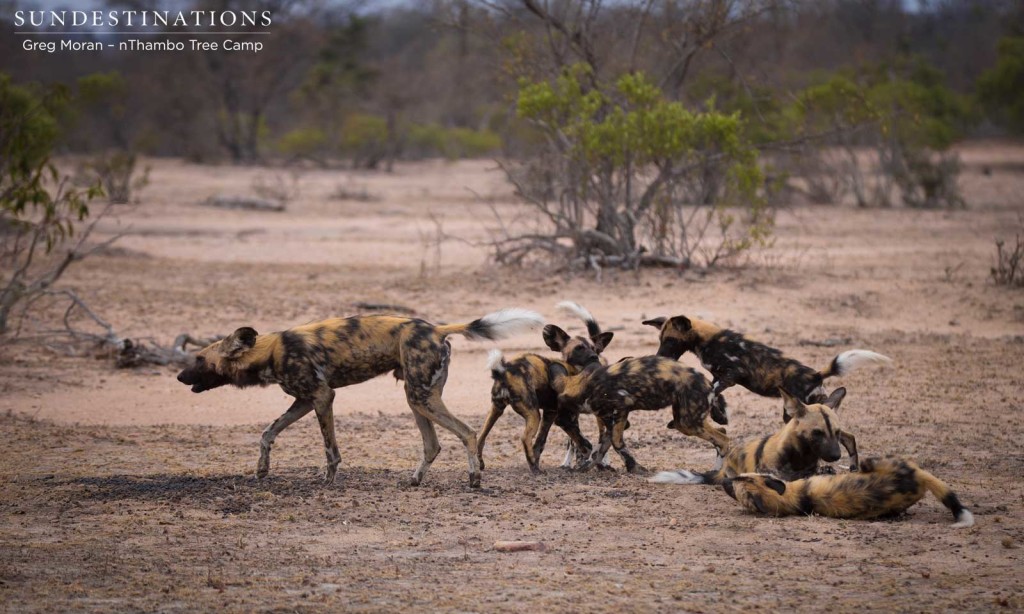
column 852, row 359
column 496, row 363
column 683, row 476
column 497, row 325
column 575, row 309
column 963, row 516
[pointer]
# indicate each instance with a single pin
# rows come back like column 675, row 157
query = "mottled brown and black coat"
column 525, row 383
column 649, row 383
column 793, row 452
column 308, row 362
column 732, row 359
column 883, row 487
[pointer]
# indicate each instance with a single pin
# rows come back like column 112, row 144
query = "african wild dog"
column 309, row 361
column 636, row 384
column 733, row 359
column 811, row 435
column 882, row 487
column 525, row 384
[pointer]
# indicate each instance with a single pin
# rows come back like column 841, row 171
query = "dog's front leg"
column 719, row 410
column 324, row 406
column 578, row 448
column 299, row 408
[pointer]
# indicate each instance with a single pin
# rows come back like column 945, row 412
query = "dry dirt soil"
column 121, row 490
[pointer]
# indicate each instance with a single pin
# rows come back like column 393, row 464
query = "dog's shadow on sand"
column 234, row 493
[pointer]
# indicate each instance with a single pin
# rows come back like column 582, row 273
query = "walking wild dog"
column 882, row 487
column 811, row 435
column 311, row 360
column 649, row 383
column 525, row 384
column 733, row 359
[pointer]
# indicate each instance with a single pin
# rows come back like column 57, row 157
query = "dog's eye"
column 200, row 360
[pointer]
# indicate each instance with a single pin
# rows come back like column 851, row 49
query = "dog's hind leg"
column 602, row 449
column 431, row 446
column 425, row 366
column 848, row 441
column 324, row 406
column 299, row 408
column 619, row 443
column 497, row 409
column 436, row 411
column 542, row 434
column 531, row 415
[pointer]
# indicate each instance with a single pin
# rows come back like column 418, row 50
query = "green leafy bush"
column 624, row 178
column 38, row 212
column 1001, row 88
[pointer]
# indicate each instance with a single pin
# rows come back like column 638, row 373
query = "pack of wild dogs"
column 778, row 474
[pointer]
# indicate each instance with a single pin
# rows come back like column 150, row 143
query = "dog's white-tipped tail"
column 964, row 519
column 573, row 308
column 677, row 477
column 497, row 325
column 854, row 359
column 496, row 361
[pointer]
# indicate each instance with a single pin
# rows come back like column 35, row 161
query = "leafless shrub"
column 929, row 181
column 353, row 192
column 117, row 172
column 1009, row 268
column 279, row 187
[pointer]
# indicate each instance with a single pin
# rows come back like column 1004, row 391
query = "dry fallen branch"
column 127, row 353
column 383, row 307
column 508, row 546
column 243, row 202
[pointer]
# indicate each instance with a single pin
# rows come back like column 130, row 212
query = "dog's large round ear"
column 681, row 323
column 835, row 399
column 602, row 340
column 655, row 322
column 777, row 485
column 791, row 406
column 555, row 338
column 239, row 342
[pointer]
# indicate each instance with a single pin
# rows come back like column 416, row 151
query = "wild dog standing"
column 811, row 435
column 882, row 487
column 309, row 361
column 634, row 384
column 733, row 359
column 525, row 383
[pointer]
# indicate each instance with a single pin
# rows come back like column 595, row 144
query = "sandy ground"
column 121, row 490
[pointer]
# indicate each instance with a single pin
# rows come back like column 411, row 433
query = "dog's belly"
column 355, row 372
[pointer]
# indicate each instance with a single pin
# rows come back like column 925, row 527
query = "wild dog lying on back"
column 639, row 384
column 309, row 361
column 733, row 359
column 525, row 383
column 882, row 487
column 811, row 434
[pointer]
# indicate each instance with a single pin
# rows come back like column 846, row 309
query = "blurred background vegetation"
column 643, row 132
column 364, row 83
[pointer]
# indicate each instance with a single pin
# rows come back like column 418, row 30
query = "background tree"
column 40, row 215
